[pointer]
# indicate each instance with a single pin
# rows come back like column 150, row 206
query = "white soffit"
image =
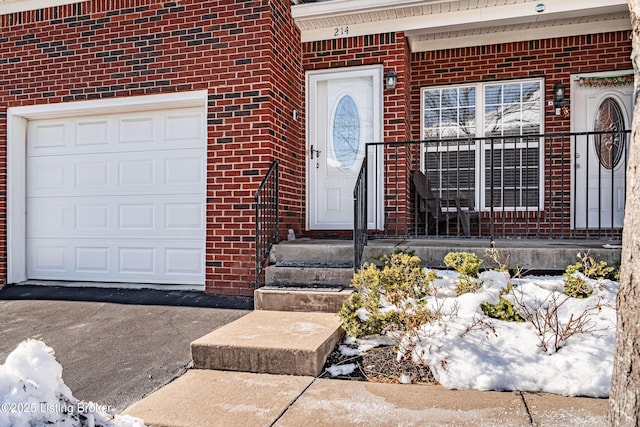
column 12, row 6
column 440, row 24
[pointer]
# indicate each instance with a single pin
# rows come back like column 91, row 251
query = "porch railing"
column 555, row 186
column 267, row 218
column 360, row 216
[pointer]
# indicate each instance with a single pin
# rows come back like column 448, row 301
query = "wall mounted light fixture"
column 390, row 80
column 558, row 99
column 558, row 94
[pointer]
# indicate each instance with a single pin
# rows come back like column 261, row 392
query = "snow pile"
column 466, row 349
column 32, row 393
column 337, row 370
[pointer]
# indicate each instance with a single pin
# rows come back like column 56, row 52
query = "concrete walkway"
column 202, row 398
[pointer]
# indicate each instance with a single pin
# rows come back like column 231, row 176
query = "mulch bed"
column 379, row 364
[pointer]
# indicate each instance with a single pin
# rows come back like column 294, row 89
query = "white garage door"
column 117, row 198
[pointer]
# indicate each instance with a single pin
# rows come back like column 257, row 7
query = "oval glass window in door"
column 346, row 131
column 609, row 147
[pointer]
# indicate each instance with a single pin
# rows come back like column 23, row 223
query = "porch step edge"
column 308, row 251
column 298, row 299
column 276, row 275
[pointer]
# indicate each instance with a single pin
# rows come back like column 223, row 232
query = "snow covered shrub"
column 503, row 310
column 575, row 285
column 467, row 266
column 388, row 298
column 553, row 323
column 496, row 261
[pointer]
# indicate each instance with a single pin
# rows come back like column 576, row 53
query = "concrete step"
column 308, row 276
column 274, row 342
column 318, row 252
column 292, row 299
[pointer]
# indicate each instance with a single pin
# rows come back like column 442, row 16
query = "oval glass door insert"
column 346, row 131
column 609, row 147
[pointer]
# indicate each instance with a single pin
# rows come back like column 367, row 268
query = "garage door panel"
column 49, row 258
column 137, row 172
column 165, row 261
column 89, row 175
column 48, row 216
column 137, row 129
column 161, row 173
column 137, row 260
column 89, row 218
column 184, row 216
column 46, row 177
column 92, row 259
column 160, row 130
column 128, row 217
column 181, row 128
column 118, row 198
column 49, row 135
column 92, row 132
column 186, row 170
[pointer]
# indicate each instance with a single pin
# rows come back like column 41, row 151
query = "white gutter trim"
column 13, row 6
column 437, row 22
column 539, row 33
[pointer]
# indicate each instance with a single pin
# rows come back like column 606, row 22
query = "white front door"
column 600, row 160
column 344, row 114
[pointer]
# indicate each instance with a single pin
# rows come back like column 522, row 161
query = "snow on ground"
column 468, row 350
column 32, row 393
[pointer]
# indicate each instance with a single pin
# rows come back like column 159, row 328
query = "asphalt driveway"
column 115, row 346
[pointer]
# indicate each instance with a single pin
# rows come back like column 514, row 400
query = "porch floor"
column 533, row 255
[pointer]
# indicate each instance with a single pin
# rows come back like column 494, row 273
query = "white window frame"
column 480, row 164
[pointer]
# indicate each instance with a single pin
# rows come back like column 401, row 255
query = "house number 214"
column 341, row 31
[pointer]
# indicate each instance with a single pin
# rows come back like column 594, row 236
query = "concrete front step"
column 274, row 342
column 308, row 276
column 313, row 252
column 309, row 300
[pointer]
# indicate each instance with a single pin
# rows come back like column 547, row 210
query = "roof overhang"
column 443, row 24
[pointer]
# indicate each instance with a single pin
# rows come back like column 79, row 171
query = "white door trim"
column 17, row 121
column 375, row 176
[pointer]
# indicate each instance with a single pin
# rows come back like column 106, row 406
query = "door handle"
column 317, row 152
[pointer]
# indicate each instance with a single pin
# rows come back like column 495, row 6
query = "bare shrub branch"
column 552, row 331
column 480, row 324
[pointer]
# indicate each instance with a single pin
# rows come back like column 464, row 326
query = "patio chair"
column 466, row 214
column 431, row 205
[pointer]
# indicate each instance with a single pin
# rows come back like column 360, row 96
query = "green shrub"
column 503, row 310
column 575, row 286
column 467, row 266
column 388, row 298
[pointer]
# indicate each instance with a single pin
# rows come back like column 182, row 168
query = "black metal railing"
column 267, row 218
column 360, row 216
column 556, row 186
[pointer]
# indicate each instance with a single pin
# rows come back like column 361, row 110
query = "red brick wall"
column 288, row 133
column 238, row 51
column 392, row 51
column 553, row 59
